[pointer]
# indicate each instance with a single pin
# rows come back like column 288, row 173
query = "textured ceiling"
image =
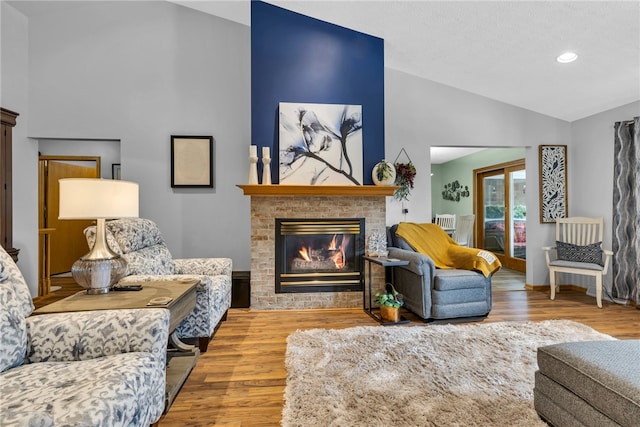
column 504, row 50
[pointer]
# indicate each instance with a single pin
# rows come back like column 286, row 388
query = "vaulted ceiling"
column 504, row 50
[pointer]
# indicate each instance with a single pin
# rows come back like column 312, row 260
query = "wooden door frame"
column 478, row 204
column 43, row 261
column 42, row 182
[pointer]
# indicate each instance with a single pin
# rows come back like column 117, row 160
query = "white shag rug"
column 479, row 374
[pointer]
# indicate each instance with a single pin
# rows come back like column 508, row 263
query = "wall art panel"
column 320, row 144
column 553, row 183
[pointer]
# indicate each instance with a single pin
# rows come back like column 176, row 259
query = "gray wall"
column 139, row 72
column 14, row 88
column 421, row 114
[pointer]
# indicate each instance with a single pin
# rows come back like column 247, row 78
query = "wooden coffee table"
column 182, row 295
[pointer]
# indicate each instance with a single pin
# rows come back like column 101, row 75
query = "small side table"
column 367, row 295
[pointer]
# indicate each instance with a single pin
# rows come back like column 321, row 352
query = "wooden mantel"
column 318, row 190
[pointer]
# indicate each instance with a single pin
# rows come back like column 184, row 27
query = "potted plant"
column 405, row 173
column 390, row 302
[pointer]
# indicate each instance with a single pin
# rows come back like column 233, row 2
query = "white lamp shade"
column 89, row 198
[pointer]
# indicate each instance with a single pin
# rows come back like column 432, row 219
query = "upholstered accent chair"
column 437, row 294
column 140, row 242
column 92, row 368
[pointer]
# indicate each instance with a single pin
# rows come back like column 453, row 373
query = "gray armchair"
column 433, row 293
column 139, row 241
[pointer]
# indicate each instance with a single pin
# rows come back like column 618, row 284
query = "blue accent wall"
column 295, row 58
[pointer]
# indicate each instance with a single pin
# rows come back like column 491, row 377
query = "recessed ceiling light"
column 567, row 57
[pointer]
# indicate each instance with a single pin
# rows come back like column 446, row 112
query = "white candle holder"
column 266, row 169
column 253, row 165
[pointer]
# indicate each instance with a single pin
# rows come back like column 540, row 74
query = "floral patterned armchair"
column 139, row 241
column 93, row 368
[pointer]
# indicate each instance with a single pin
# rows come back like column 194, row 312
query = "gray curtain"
column 626, row 211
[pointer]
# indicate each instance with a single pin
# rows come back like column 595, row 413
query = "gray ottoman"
column 590, row 383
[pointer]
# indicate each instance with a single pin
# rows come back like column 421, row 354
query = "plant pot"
column 389, row 177
column 389, row 314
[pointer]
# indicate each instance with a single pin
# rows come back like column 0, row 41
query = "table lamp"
column 100, row 199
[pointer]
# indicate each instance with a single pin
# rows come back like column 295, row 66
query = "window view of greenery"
column 494, row 214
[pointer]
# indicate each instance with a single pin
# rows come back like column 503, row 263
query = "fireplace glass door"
column 319, row 255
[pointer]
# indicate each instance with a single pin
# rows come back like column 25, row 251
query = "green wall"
column 461, row 170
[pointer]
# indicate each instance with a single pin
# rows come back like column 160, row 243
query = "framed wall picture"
column 115, row 170
column 320, row 144
column 553, row 183
column 191, row 161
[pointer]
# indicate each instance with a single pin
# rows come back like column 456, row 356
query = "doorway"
column 66, row 238
column 500, row 205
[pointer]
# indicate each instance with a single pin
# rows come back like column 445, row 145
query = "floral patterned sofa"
column 93, row 368
column 139, row 241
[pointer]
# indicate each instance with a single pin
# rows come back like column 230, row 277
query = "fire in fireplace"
column 319, row 255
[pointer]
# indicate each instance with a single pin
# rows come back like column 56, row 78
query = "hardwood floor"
column 506, row 279
column 240, row 380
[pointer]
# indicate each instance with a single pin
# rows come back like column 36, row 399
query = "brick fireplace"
column 271, row 202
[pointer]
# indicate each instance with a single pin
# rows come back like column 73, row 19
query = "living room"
column 139, row 72
column 104, row 81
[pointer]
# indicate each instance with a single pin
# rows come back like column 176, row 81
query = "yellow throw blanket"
column 431, row 240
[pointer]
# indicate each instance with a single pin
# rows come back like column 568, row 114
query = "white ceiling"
column 504, row 50
column 441, row 155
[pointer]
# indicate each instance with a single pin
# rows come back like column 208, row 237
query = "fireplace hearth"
column 319, row 255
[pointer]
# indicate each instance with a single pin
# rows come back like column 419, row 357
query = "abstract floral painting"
column 320, row 144
column 553, row 182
